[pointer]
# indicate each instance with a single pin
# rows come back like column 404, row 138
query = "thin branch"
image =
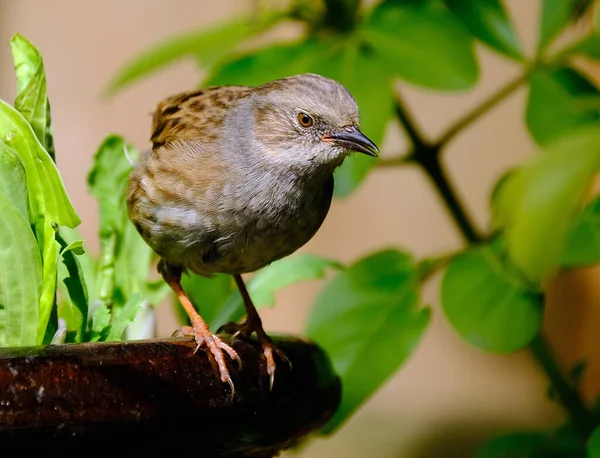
column 568, row 395
column 408, row 123
column 431, row 164
column 482, row 108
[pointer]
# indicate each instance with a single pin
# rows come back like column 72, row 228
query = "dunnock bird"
column 237, row 178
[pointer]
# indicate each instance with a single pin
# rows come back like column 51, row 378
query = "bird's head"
column 308, row 121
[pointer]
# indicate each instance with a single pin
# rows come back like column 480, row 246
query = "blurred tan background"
column 449, row 397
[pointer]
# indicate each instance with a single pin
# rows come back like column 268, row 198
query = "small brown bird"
column 237, row 178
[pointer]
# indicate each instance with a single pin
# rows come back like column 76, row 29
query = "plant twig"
column 434, row 170
column 482, row 108
column 408, row 124
column 581, row 418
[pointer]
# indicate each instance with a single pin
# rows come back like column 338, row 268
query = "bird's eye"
column 305, row 120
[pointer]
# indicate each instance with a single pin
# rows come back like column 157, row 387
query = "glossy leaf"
column 556, row 15
column 74, row 310
column 125, row 317
column 489, row 22
column 538, row 202
column 264, row 284
column 427, row 47
column 488, row 305
column 48, row 199
column 207, row 45
column 593, row 445
column 514, row 445
column 20, row 278
column 583, row 242
column 555, row 104
column 368, row 321
column 32, row 100
column 13, row 183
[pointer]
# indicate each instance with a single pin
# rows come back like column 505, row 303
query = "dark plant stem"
column 429, row 161
column 427, row 156
column 580, row 416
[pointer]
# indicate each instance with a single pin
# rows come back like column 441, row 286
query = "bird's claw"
column 216, row 347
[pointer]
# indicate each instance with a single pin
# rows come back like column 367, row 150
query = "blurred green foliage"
column 369, row 316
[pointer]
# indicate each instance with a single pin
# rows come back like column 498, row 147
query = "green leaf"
column 49, row 276
column 583, row 242
column 32, row 100
column 427, row 47
column 75, row 310
column 556, row 15
column 538, row 202
column 555, row 103
column 588, row 46
column 368, row 321
column 488, row 21
column 270, row 63
column 20, row 278
column 100, row 325
column 264, row 284
column 13, row 183
column 125, row 317
column 68, row 237
column 593, row 445
column 208, row 46
column 107, row 180
column 514, row 445
column 48, row 199
column 488, row 305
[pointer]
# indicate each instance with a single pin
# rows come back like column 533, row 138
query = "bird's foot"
column 246, row 329
column 203, row 337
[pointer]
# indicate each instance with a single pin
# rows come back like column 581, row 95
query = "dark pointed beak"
column 353, row 139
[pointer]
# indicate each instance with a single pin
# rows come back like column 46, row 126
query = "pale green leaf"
column 74, row 310
column 49, row 275
column 107, row 180
column 100, row 324
column 538, row 203
column 48, row 199
column 125, row 317
column 207, row 45
column 13, row 183
column 32, row 100
column 20, row 278
column 368, row 321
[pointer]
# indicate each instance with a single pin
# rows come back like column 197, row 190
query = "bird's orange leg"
column 199, row 329
column 252, row 324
